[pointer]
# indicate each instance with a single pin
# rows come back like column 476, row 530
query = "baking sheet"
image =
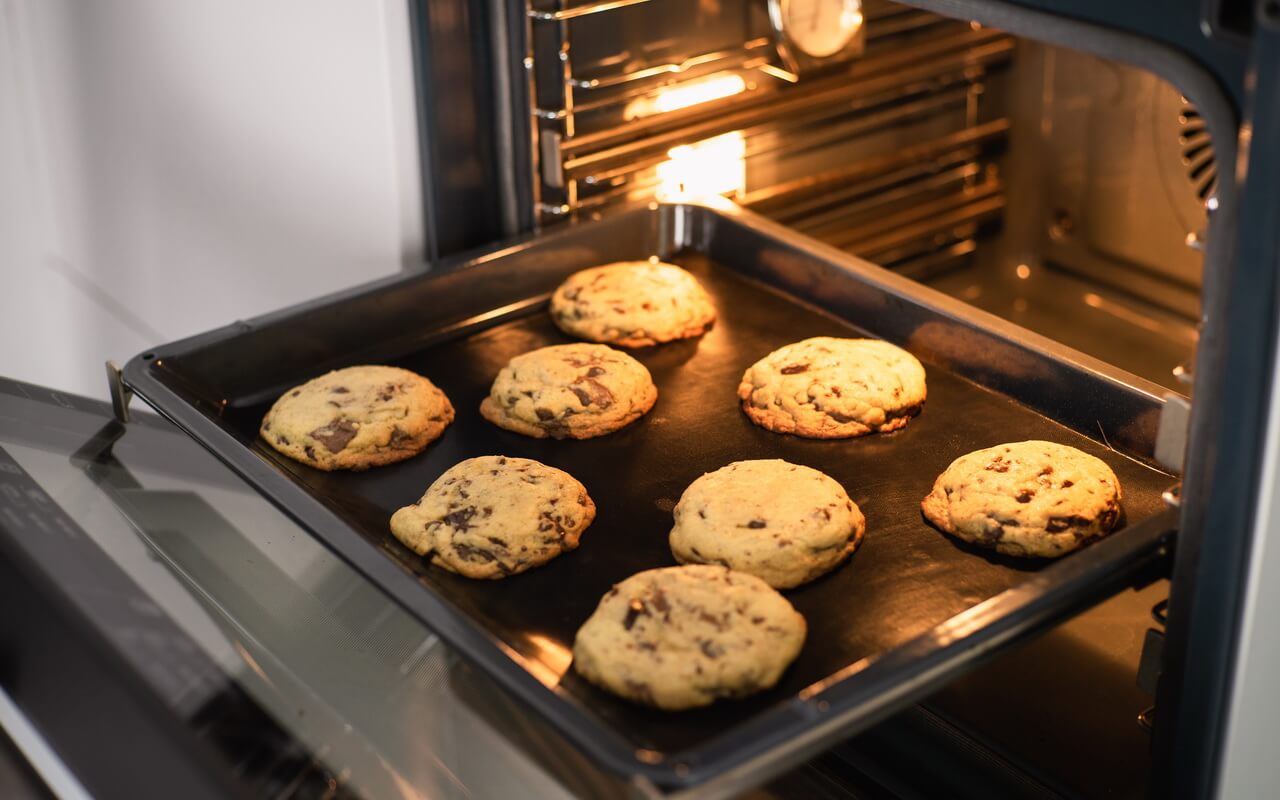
column 897, row 601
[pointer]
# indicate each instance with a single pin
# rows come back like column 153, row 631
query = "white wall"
column 168, row 166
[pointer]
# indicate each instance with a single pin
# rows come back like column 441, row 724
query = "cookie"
column 682, row 637
column 784, row 523
column 1026, row 499
column 494, row 516
column 827, row 388
column 573, row 391
column 632, row 304
column 356, row 418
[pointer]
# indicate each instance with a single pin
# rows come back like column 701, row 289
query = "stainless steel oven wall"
column 1098, row 245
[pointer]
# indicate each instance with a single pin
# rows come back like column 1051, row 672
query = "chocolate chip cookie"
column 573, row 391
column 781, row 522
column 828, row 388
column 1026, row 499
column 494, row 516
column 356, row 418
column 632, row 304
column 682, row 637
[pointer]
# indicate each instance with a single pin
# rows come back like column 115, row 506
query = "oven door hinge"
column 120, row 394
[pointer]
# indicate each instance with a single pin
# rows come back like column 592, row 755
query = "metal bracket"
column 1149, row 665
column 1171, row 438
column 120, row 394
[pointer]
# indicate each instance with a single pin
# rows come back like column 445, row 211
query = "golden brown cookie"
column 494, row 516
column 781, row 522
column 682, row 637
column 1026, row 499
column 356, row 418
column 632, row 304
column 828, row 388
column 573, row 391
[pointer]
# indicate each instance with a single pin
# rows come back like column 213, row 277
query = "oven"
column 1066, row 210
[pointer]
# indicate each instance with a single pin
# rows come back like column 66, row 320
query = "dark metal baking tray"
column 912, row 607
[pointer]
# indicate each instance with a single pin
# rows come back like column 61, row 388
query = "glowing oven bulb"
column 715, row 166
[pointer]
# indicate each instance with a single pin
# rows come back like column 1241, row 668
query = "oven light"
column 688, row 94
column 715, row 166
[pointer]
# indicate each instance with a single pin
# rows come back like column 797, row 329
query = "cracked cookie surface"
column 1026, row 499
column 784, row 523
column 356, row 418
column 569, row 391
column 682, row 637
column 830, row 388
column 494, row 516
column 632, row 304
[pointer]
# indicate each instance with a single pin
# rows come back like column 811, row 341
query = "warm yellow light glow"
column 687, row 94
column 1023, row 271
column 1092, row 300
column 713, row 166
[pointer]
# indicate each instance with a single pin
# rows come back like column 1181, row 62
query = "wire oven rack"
column 816, row 152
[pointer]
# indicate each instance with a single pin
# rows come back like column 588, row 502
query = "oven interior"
column 1061, row 191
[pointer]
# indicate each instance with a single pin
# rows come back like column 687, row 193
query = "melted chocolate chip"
column 336, row 435
column 709, row 650
column 544, row 414
column 1060, row 524
column 757, row 524
column 594, row 391
column 461, row 519
column 659, row 601
column 1107, row 519
column 640, row 690
column 1068, row 484
column 340, row 390
column 908, row 411
column 595, row 372
column 795, row 369
column 634, row 610
column 1025, row 496
column 556, row 429
column 469, row 553
column 310, row 451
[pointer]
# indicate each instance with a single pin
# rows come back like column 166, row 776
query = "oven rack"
column 579, row 169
